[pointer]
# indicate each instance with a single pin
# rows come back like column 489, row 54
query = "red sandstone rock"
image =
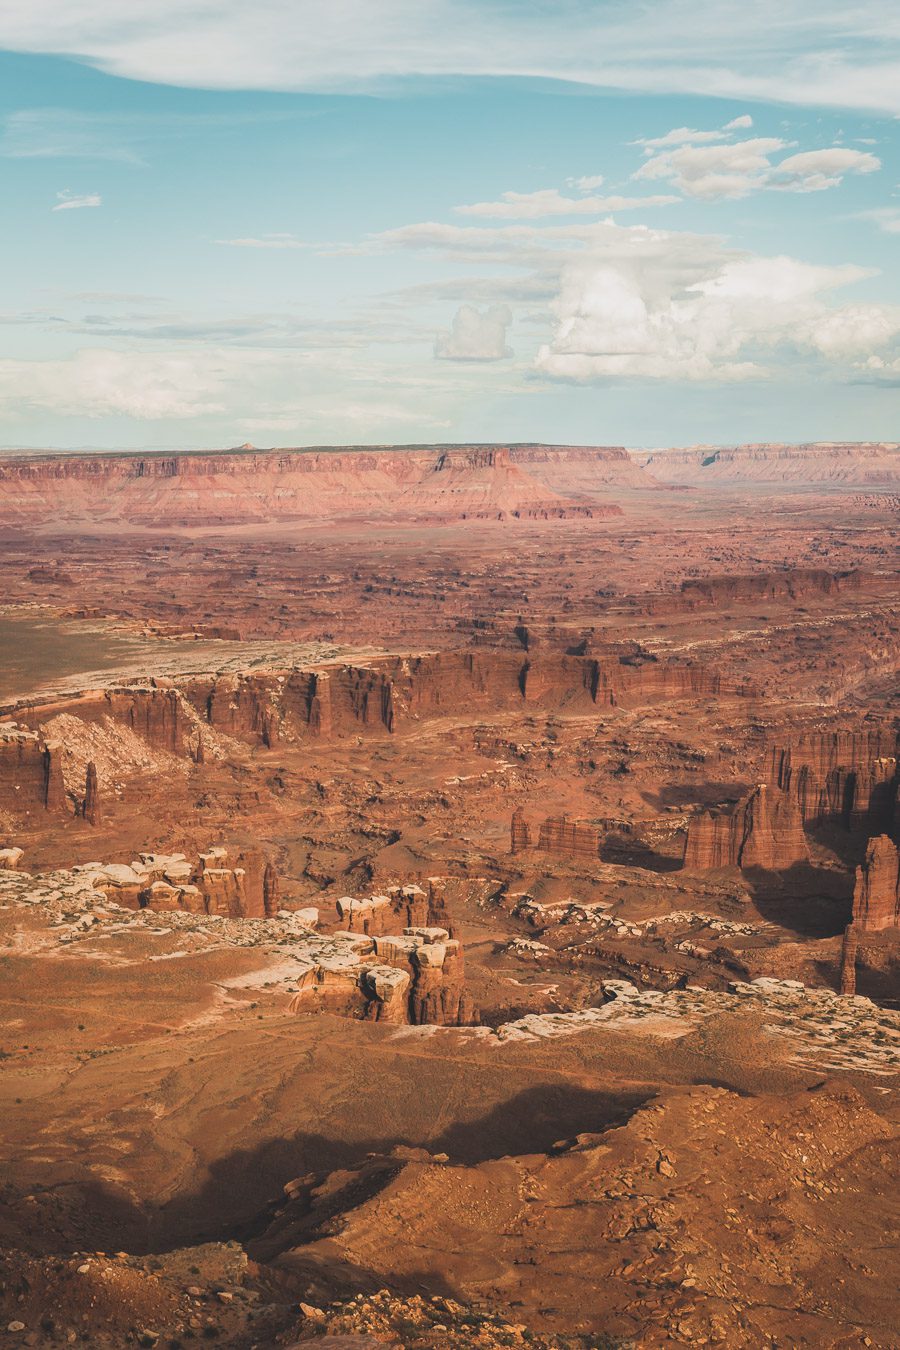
column 876, row 897
column 765, row 829
column 840, row 775
column 90, row 808
column 519, row 832
column 849, row 949
column 576, row 838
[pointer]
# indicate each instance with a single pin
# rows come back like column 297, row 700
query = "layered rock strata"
column 765, row 829
column 846, row 776
column 31, row 777
column 219, row 883
column 876, row 897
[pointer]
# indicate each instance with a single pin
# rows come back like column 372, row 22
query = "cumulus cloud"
column 475, row 335
column 551, row 202
column 70, row 201
column 791, row 51
column 734, row 169
column 587, row 182
column 728, row 324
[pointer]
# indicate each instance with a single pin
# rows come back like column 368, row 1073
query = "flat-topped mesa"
column 764, row 829
column 415, row 977
column 229, row 883
column 867, row 463
column 378, row 698
column 849, row 777
column 31, row 777
column 406, row 485
column 876, row 896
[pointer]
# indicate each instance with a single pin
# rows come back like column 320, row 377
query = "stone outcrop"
column 574, row 838
column 417, row 977
column 90, row 806
column 765, row 829
column 31, row 777
column 849, row 951
column 876, row 897
column 519, row 832
column 849, row 777
column 399, row 909
column 231, row 884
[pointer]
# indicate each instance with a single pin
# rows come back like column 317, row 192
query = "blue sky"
column 437, row 222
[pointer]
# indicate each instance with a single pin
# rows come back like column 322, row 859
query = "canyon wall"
column 31, row 776
column 844, row 776
column 377, row 698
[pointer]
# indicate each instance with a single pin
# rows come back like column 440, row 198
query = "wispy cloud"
column 266, row 241
column 550, row 202
column 71, row 201
column 790, row 51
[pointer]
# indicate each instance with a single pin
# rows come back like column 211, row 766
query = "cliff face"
column 378, row 698
column 845, row 776
column 400, row 484
column 574, row 838
column 876, row 897
column 863, row 463
column 31, row 776
column 765, row 830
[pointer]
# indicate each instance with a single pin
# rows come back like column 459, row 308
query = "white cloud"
column 733, row 322
column 814, row 170
column 734, row 169
column 97, row 382
column 739, row 123
column 825, row 54
column 587, row 182
column 551, row 202
column 70, row 201
column 729, row 169
column 476, row 336
column 266, row 241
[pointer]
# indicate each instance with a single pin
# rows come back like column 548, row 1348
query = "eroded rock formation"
column 876, row 897
column 230, row 883
column 417, row 976
column 31, row 776
column 765, row 829
column 845, row 776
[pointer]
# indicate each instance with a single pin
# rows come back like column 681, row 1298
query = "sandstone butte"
column 765, row 829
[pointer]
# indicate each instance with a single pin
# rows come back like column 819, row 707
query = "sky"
column 403, row 221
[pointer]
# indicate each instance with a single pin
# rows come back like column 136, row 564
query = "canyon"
column 449, row 896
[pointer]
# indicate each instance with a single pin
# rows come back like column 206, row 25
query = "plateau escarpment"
column 410, row 485
column 864, row 463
